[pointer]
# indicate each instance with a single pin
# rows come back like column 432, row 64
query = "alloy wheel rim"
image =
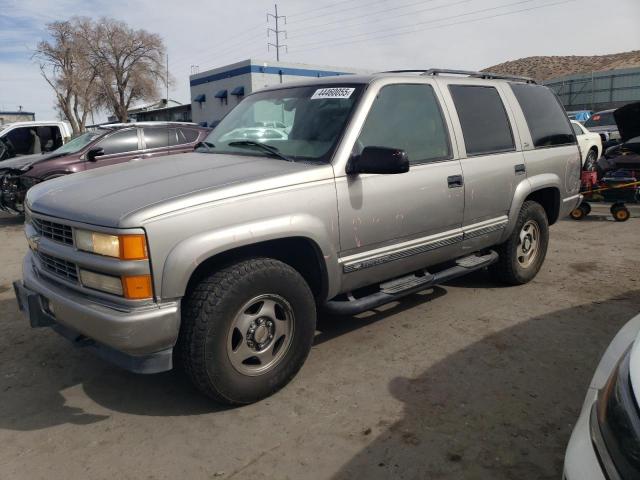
column 528, row 244
column 260, row 335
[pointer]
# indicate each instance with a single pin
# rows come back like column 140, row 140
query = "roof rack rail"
column 469, row 73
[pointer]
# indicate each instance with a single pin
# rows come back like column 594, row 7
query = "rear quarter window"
column 546, row 119
column 189, row 135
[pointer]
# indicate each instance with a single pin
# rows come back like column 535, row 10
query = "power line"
column 340, row 10
column 385, row 18
column 437, row 26
column 357, row 16
column 306, row 13
column 234, row 47
column 425, row 22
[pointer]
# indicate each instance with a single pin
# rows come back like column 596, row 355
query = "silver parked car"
column 383, row 185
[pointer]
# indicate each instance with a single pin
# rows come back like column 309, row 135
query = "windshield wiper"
column 267, row 148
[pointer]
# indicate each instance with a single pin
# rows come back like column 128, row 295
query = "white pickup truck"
column 26, row 138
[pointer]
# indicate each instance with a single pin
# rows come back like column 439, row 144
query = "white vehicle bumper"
column 581, row 461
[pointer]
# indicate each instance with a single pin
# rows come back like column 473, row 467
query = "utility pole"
column 276, row 31
column 167, row 103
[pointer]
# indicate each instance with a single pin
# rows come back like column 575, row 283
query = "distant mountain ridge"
column 545, row 68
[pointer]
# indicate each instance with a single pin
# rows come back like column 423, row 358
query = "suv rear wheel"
column 522, row 255
column 247, row 329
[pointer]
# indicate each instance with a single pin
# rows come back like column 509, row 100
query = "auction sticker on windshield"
column 336, row 92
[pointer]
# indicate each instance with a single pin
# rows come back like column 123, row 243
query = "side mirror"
column 94, row 152
column 379, row 160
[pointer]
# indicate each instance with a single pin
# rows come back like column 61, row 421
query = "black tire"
column 508, row 269
column 620, row 213
column 209, row 310
column 578, row 213
column 586, row 207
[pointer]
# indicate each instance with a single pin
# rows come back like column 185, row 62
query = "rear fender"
column 523, row 190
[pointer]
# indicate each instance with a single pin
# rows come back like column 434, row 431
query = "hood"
column 25, row 161
column 628, row 121
column 126, row 195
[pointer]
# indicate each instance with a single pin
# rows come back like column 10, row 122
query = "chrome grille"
column 59, row 267
column 55, row 231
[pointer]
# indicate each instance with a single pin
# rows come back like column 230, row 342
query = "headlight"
column 618, row 421
column 125, row 247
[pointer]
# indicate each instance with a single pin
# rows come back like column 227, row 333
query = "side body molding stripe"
column 372, row 258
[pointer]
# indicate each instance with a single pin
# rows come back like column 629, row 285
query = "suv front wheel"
column 247, row 329
column 522, row 255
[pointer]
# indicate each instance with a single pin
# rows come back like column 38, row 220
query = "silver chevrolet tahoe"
column 361, row 189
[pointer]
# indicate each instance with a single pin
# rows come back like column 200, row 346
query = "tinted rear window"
column 547, row 121
column 600, row 120
column 485, row 125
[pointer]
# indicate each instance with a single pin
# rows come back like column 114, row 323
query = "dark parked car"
column 103, row 146
column 625, row 156
column 604, row 124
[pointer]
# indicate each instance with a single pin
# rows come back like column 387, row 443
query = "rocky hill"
column 544, row 68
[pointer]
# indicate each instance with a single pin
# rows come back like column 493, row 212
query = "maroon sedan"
column 107, row 145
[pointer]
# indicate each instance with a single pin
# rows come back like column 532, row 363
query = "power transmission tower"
column 276, row 31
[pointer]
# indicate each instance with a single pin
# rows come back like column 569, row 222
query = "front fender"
column 185, row 257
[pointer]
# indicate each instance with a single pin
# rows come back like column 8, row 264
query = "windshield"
column 600, row 119
column 79, row 142
column 301, row 123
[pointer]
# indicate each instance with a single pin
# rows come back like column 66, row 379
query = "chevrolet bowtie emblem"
column 33, row 241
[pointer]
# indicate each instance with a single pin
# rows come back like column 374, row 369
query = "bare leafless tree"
column 130, row 63
column 64, row 65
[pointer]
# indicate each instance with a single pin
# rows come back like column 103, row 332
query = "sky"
column 362, row 34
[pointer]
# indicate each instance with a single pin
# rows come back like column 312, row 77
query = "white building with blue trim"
column 216, row 91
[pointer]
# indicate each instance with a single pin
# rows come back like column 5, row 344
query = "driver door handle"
column 455, row 181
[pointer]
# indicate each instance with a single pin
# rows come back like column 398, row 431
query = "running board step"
column 403, row 283
column 400, row 287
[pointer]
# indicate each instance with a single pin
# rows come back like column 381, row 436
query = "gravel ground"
column 471, row 380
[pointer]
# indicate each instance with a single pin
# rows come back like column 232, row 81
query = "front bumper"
column 138, row 339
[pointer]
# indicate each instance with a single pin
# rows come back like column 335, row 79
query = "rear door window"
column 547, row 121
column 120, row 142
column 407, row 117
column 157, row 137
column 485, row 125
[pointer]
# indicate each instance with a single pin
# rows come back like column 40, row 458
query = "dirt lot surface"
column 471, row 381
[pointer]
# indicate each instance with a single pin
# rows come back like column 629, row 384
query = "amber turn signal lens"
column 133, row 247
column 137, row 287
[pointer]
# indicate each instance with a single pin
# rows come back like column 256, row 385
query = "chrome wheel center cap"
column 261, row 334
column 526, row 245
